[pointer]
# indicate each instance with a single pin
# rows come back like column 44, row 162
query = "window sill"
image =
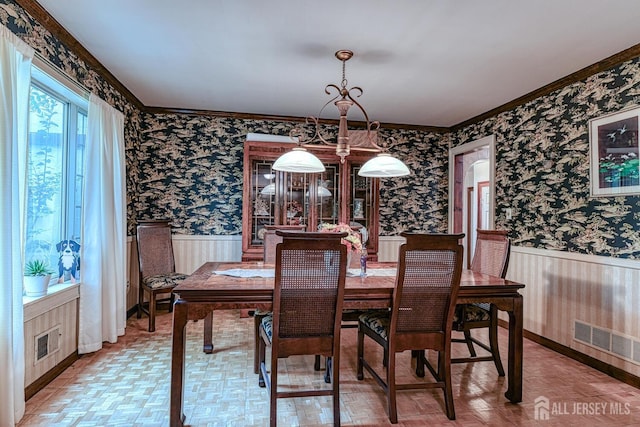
column 57, row 295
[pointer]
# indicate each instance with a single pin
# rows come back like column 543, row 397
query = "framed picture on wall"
column 615, row 165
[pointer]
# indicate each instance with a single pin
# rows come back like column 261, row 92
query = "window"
column 57, row 132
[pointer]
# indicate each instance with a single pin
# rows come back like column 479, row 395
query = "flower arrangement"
column 293, row 208
column 351, row 241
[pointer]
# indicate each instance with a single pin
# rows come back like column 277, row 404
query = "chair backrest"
column 271, row 239
column 492, row 252
column 155, row 250
column 309, row 287
column 427, row 283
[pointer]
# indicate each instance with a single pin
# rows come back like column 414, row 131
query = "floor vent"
column 47, row 343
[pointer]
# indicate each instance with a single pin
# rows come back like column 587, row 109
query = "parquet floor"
column 127, row 384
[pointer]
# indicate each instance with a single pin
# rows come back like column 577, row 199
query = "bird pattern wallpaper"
column 191, row 171
column 189, row 167
column 543, row 168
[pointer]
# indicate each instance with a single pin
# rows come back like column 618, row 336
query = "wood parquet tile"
column 127, row 384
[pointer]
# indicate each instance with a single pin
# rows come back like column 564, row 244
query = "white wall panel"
column 190, row 252
column 563, row 287
column 66, row 316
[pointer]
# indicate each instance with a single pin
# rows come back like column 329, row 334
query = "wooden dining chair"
column 310, row 276
column 491, row 257
column 157, row 274
column 271, row 240
column 424, row 299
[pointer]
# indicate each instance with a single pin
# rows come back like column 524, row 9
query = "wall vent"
column 47, row 343
column 612, row 342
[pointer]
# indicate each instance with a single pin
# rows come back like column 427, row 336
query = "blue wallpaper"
column 191, row 171
column 542, row 168
column 189, row 168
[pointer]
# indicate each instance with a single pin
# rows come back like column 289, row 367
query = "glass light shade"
column 269, row 190
column 298, row 160
column 383, row 166
column 322, row 192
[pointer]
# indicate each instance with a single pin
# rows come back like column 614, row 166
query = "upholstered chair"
column 156, row 266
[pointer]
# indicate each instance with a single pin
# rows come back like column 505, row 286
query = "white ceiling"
column 421, row 62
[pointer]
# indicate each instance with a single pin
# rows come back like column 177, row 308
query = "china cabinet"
column 337, row 195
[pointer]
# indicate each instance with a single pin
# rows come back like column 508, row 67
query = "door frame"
column 487, row 141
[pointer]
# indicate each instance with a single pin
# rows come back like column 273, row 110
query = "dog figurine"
column 69, row 262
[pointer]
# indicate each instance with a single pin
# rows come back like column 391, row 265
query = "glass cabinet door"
column 263, row 196
column 361, row 204
column 327, row 196
column 295, row 210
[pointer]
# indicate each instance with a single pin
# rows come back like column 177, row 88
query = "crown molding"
column 605, row 64
column 41, row 15
column 34, row 9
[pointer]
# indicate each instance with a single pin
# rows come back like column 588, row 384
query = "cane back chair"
column 491, row 257
column 424, row 299
column 310, row 276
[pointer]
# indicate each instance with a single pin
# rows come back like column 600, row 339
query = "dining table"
column 249, row 285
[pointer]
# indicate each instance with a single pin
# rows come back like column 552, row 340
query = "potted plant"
column 37, row 275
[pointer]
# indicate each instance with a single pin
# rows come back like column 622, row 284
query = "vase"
column 36, row 286
column 353, row 260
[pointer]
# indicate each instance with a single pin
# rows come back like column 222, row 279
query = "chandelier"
column 302, row 161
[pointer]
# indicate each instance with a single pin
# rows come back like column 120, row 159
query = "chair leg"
column 420, row 356
column 467, row 338
column 140, row 300
column 152, row 312
column 444, row 371
column 273, row 392
column 171, row 301
column 360, row 351
column 257, row 320
column 261, row 351
column 327, row 372
column 391, row 387
column 335, row 379
column 493, row 340
column 316, row 363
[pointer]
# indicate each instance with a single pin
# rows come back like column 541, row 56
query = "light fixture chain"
column 344, row 74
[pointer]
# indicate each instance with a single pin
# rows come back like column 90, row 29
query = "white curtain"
column 15, row 76
column 103, row 281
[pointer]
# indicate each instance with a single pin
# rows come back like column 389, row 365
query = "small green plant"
column 37, row 267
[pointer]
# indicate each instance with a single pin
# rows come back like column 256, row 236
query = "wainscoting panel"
column 388, row 247
column 561, row 289
column 564, row 289
column 190, row 252
column 62, row 319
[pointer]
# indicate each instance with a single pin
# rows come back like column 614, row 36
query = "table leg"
column 176, row 415
column 514, row 388
column 207, row 346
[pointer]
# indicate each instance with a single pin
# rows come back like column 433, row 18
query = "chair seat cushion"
column 471, row 313
column 259, row 312
column 378, row 321
column 267, row 325
column 164, row 281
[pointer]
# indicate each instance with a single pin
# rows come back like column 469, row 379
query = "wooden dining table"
column 205, row 291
